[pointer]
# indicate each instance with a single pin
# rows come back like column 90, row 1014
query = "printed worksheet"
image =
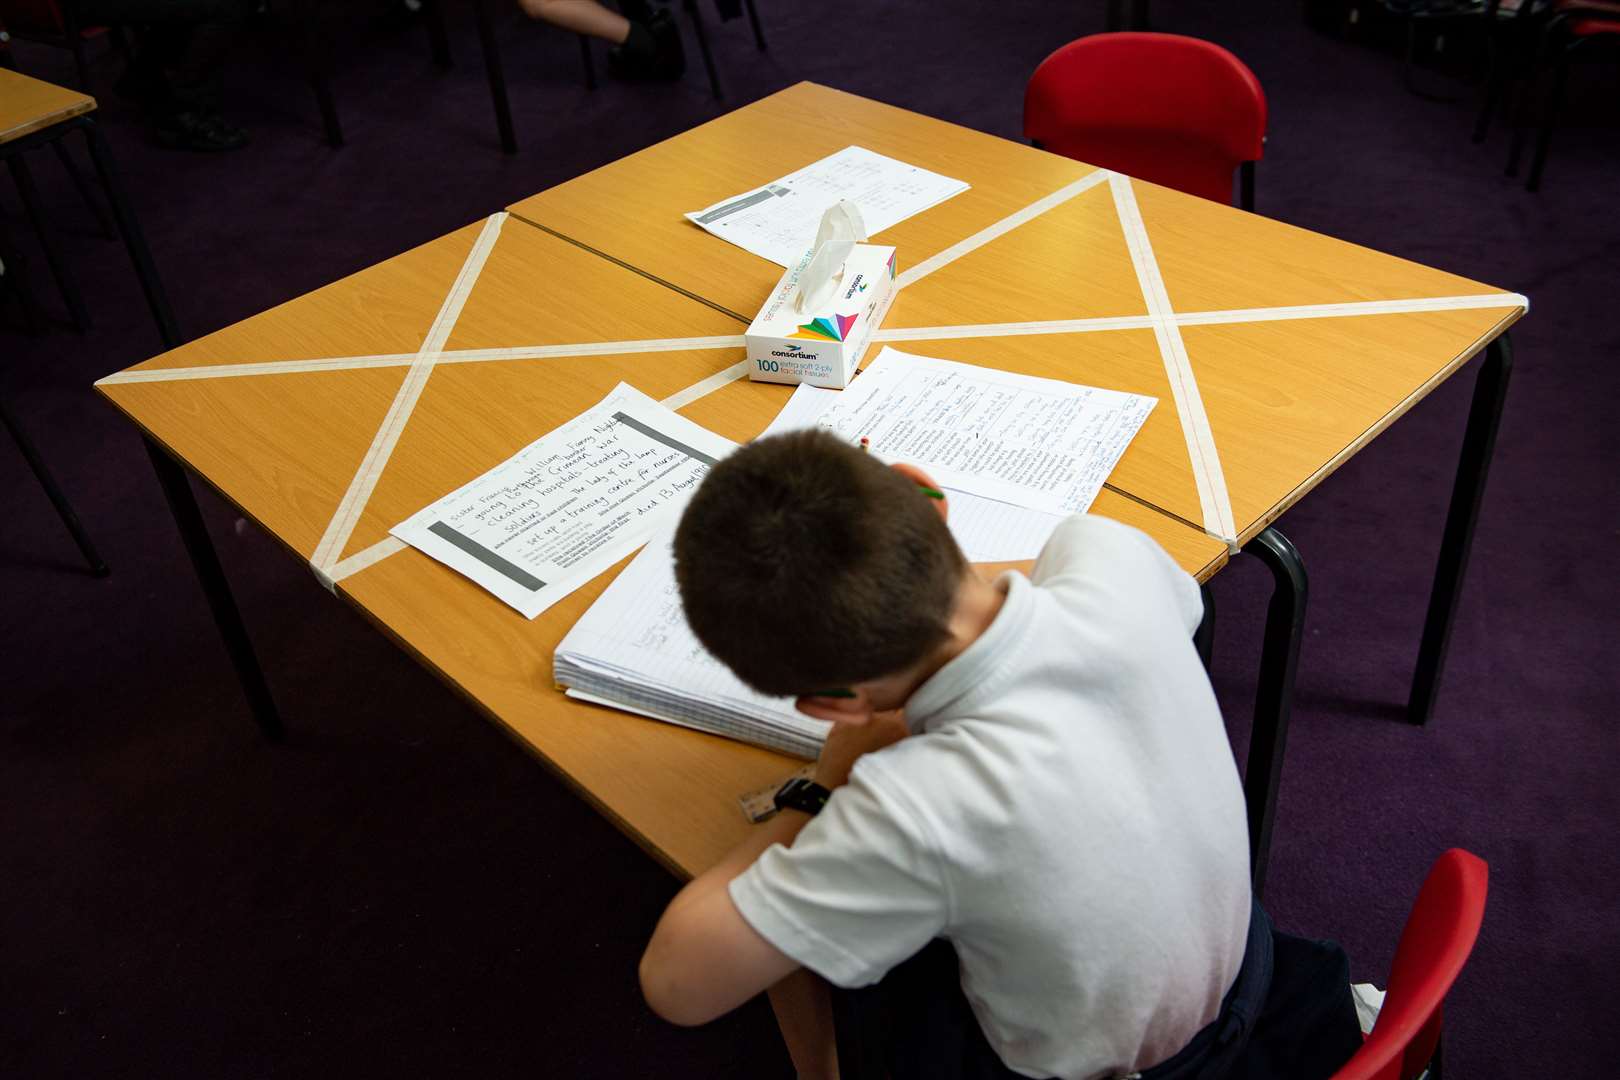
column 1015, row 453
column 779, row 221
column 569, row 505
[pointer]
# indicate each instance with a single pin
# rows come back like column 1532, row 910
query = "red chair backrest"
column 34, row 17
column 1439, row 935
column 1169, row 109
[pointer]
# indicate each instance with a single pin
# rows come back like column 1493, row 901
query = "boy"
column 1059, row 801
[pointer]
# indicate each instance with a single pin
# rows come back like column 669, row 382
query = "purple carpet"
column 399, row 890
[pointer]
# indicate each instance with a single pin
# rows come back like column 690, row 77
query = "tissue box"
column 822, row 348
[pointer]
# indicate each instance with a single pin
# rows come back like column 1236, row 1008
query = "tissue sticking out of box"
column 841, row 229
column 818, row 321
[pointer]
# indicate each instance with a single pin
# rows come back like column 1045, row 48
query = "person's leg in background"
column 647, row 42
column 181, row 49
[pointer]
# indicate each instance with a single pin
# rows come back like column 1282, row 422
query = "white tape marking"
column 450, row 356
column 1213, row 499
column 1350, row 308
column 372, row 555
column 703, row 387
column 410, row 391
column 1015, row 329
column 1005, row 225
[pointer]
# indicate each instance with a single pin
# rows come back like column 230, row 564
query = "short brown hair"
column 805, row 564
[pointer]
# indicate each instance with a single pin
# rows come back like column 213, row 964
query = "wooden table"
column 277, row 412
column 1276, row 353
column 35, row 113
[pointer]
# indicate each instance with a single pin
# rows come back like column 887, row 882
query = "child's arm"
column 704, row 959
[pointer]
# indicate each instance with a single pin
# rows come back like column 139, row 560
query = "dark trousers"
column 1288, row 1016
column 181, row 49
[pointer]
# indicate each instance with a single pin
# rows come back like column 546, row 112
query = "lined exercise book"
column 633, row 650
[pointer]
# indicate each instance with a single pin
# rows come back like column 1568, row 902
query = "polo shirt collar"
column 955, row 689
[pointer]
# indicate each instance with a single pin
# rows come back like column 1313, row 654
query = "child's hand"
column 849, row 740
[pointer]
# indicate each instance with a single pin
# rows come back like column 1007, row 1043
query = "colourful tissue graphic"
column 834, row 329
column 891, row 264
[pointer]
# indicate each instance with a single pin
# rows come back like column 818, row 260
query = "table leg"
column 134, row 240
column 1274, row 696
column 16, row 278
column 497, row 77
column 1479, row 441
column 24, row 178
column 703, row 47
column 1204, row 636
column 194, row 531
column 64, row 509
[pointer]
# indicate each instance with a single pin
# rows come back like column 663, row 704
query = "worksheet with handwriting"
column 571, row 504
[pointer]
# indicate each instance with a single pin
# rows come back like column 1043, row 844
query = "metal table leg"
column 193, row 530
column 1479, row 441
column 64, row 509
column 65, row 284
column 497, row 77
column 1274, row 696
column 134, row 241
column 1204, row 636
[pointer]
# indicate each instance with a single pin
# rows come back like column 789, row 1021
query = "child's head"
column 805, row 564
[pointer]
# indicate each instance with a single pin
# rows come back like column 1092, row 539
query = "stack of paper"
column 634, row 651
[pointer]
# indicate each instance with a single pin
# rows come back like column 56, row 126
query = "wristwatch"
column 802, row 794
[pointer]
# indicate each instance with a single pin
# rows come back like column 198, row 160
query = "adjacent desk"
column 35, row 113
column 277, row 413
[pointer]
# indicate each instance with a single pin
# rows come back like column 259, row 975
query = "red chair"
column 1574, row 26
column 1439, row 935
column 1169, row 109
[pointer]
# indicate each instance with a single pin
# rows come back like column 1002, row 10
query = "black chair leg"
column 81, row 61
column 1246, row 186
column 64, row 509
column 76, row 174
column 587, row 62
column 134, row 240
column 703, row 47
column 857, row 1030
column 71, row 296
column 753, row 20
column 1549, row 117
column 15, row 276
column 1204, row 636
column 1274, row 696
column 194, row 532
column 438, row 39
column 317, row 55
column 1479, row 442
column 497, row 77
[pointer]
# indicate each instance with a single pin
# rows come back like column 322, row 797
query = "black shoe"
column 204, row 131
column 652, row 52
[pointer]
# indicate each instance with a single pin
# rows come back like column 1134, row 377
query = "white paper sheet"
column 1015, row 453
column 779, row 221
column 569, row 505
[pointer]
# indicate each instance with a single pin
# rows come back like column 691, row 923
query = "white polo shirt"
column 1066, row 811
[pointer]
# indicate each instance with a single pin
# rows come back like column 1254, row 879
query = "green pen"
column 932, row 493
